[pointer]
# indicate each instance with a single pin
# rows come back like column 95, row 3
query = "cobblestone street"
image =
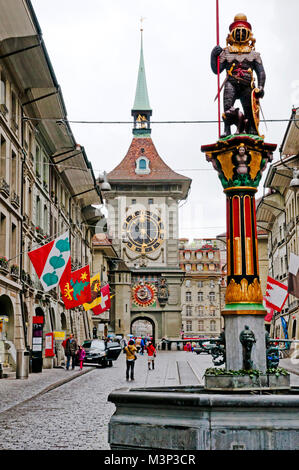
column 75, row 415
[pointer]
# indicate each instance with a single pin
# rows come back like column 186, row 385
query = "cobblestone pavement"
column 75, row 415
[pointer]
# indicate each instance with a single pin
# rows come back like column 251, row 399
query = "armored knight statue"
column 240, row 60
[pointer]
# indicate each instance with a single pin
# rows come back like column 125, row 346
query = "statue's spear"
column 218, row 63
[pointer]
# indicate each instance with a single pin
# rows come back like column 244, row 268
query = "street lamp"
column 104, row 185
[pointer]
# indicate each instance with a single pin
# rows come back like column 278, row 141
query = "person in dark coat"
column 71, row 347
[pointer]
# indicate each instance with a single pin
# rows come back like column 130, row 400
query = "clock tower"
column 143, row 221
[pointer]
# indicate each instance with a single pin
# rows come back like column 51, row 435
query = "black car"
column 101, row 352
column 205, row 348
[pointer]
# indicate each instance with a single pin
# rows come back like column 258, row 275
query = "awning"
column 268, row 209
column 77, row 170
column 290, row 144
column 22, row 47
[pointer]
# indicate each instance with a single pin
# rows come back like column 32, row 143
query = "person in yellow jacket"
column 131, row 357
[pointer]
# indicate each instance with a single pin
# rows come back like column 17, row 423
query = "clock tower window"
column 142, row 166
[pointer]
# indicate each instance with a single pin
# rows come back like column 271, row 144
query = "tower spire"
column 141, row 110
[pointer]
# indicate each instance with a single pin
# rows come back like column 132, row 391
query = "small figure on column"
column 247, row 340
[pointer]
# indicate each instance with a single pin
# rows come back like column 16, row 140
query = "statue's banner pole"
column 218, row 65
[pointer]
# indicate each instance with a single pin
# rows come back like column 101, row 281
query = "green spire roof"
column 141, row 102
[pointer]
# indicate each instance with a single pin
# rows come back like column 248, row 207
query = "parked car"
column 204, row 348
column 101, row 352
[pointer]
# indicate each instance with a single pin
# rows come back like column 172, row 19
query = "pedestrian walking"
column 71, row 347
column 151, row 353
column 130, row 359
column 142, row 346
column 81, row 356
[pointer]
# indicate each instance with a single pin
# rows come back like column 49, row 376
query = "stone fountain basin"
column 192, row 418
column 233, row 383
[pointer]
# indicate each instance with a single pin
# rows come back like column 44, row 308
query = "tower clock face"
column 144, row 232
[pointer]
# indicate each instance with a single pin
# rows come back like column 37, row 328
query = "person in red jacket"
column 151, row 353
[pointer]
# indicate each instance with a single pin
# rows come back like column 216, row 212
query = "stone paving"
column 59, row 409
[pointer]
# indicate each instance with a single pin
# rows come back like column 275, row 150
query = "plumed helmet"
column 240, row 29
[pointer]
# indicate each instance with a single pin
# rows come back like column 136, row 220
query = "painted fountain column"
column 239, row 161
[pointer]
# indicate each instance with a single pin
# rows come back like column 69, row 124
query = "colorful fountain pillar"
column 239, row 160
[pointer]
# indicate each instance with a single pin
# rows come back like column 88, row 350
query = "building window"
column 200, row 284
column 150, row 201
column 133, row 201
column 188, row 267
column 199, row 255
column 142, row 166
column 187, row 255
column 188, row 325
column 188, row 311
column 200, row 296
column 200, row 325
column 200, row 267
column 188, row 296
column 212, row 284
column 210, row 255
column 212, row 296
column 3, row 89
column 188, row 283
column 212, row 325
column 200, row 311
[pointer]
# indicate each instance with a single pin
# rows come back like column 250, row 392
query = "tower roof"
column 160, row 172
column 141, row 102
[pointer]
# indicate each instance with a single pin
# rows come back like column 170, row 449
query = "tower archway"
column 143, row 325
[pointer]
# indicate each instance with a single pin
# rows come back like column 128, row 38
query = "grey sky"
column 94, row 49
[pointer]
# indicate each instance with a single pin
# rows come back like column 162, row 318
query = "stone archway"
column 144, row 332
column 6, row 308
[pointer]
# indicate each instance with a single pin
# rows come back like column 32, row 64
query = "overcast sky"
column 94, row 48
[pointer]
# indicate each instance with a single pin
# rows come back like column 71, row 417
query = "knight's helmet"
column 240, row 34
column 240, row 29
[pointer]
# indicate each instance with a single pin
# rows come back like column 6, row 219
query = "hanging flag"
column 285, row 330
column 75, row 286
column 105, row 302
column 293, row 279
column 270, row 311
column 50, row 260
column 285, row 327
column 95, row 287
column 276, row 294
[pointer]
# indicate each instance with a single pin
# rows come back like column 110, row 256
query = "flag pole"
column 218, row 64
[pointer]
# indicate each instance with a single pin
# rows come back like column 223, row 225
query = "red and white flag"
column 270, row 311
column 105, row 302
column 50, row 261
column 276, row 294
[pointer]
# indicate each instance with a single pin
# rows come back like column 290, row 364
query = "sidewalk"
column 15, row 391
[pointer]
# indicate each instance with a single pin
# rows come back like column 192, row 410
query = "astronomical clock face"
column 144, row 294
column 144, row 232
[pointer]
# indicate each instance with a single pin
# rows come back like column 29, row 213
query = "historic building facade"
column 143, row 221
column 202, row 294
column 278, row 214
column 47, row 187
